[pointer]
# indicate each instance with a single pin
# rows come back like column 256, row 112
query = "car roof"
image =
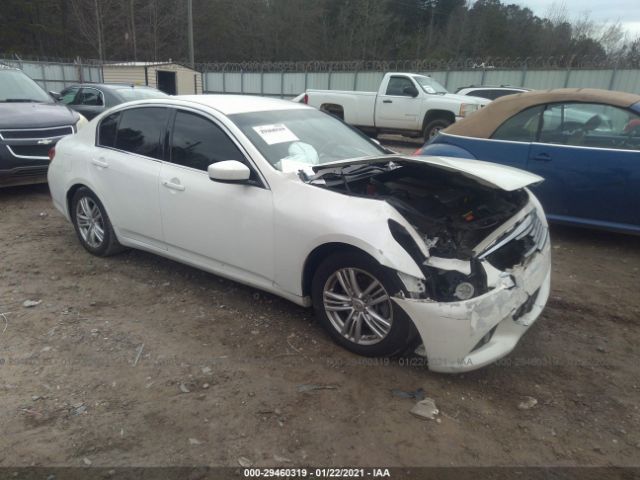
column 495, row 87
column 483, row 123
column 9, row 68
column 232, row 104
column 110, row 85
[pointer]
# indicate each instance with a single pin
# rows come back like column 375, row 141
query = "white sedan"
column 447, row 257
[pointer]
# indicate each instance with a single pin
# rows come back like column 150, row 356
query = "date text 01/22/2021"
column 316, row 473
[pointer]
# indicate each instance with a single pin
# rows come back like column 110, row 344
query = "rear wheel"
column 92, row 224
column 432, row 128
column 352, row 297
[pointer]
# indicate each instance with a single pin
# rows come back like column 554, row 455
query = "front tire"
column 351, row 294
column 92, row 224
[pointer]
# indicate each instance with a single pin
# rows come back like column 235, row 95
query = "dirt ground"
column 138, row 360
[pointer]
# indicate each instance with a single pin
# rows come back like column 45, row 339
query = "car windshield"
column 429, row 85
column 293, row 140
column 15, row 86
column 129, row 93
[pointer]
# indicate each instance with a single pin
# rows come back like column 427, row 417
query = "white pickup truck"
column 406, row 103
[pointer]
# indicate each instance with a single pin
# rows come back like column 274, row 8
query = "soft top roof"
column 483, row 123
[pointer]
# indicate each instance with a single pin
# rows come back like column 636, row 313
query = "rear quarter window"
column 107, row 130
column 521, row 127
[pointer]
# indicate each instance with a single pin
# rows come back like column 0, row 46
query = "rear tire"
column 92, row 224
column 363, row 319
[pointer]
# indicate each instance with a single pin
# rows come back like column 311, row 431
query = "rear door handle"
column 173, row 186
column 387, row 101
column 542, row 157
column 99, row 162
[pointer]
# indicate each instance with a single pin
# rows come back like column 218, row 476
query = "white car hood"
column 491, row 174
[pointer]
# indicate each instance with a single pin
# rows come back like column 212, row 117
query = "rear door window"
column 91, row 97
column 141, row 130
column 522, row 127
column 488, row 94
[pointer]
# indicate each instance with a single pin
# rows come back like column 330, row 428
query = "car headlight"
column 467, row 109
column 464, row 291
column 82, row 121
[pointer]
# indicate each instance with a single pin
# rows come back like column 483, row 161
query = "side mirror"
column 55, row 95
column 410, row 90
column 229, row 171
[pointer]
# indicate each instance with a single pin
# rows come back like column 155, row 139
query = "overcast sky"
column 625, row 11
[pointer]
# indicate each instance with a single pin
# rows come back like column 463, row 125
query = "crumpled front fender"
column 451, row 330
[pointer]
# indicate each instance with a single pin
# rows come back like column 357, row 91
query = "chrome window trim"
column 130, row 153
column 539, row 143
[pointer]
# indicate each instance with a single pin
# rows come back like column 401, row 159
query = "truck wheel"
column 432, row 128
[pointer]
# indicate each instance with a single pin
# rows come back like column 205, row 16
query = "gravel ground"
column 138, row 360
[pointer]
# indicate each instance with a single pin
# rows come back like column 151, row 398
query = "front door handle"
column 100, row 162
column 542, row 157
column 387, row 101
column 173, row 186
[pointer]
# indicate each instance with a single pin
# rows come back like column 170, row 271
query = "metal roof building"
column 171, row 78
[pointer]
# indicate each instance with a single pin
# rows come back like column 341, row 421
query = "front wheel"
column 352, row 297
column 434, row 127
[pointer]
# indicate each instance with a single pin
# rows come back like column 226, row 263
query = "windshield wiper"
column 341, row 172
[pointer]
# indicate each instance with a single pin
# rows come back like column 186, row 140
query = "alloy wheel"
column 358, row 306
column 90, row 222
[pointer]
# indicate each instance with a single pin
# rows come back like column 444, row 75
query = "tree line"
column 300, row 30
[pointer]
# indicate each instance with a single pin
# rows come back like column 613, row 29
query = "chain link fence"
column 288, row 79
column 480, row 63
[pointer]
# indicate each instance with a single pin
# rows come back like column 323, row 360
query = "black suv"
column 31, row 122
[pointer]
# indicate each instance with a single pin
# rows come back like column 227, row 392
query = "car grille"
column 34, row 142
column 30, row 150
column 36, row 134
column 519, row 243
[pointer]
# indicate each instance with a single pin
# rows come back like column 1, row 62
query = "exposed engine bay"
column 451, row 212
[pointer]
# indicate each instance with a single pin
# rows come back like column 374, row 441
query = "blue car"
column 585, row 143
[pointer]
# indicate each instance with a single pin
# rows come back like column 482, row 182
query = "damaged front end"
column 483, row 252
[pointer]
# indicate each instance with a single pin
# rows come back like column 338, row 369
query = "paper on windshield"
column 275, row 133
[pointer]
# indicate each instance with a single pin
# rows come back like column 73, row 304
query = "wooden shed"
column 171, row 78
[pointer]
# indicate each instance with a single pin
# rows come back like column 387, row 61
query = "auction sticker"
column 276, row 133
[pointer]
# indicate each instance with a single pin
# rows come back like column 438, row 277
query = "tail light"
column 305, row 99
column 417, row 152
column 52, row 153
